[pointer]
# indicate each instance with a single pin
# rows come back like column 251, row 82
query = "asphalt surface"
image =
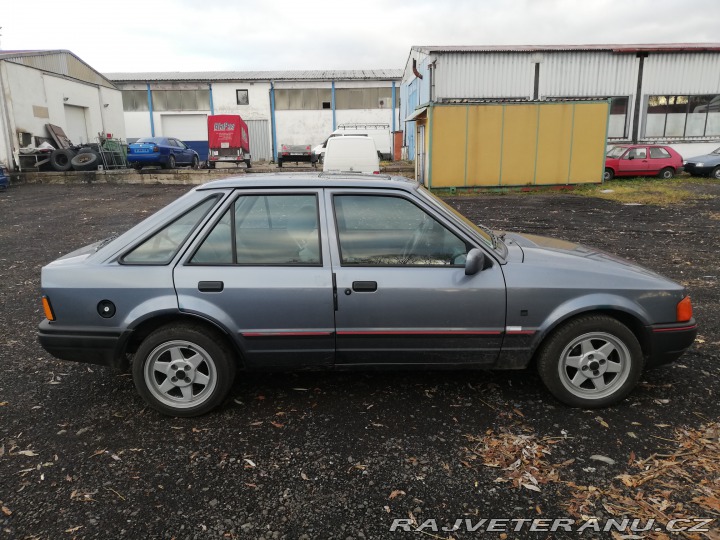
column 320, row 455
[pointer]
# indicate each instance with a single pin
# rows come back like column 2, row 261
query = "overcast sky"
column 200, row 35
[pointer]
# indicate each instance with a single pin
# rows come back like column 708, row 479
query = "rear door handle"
column 364, row 286
column 210, row 286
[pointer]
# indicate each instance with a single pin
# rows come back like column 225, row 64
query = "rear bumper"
column 83, row 344
column 669, row 341
column 147, row 159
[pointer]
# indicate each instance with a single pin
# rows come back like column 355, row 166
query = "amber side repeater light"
column 48, row 309
column 684, row 310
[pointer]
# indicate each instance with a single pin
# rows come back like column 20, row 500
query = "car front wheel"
column 593, row 361
column 183, row 370
column 609, row 174
column 715, row 173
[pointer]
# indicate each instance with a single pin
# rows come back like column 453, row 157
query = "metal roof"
column 617, row 48
column 297, row 75
column 312, row 180
column 58, row 61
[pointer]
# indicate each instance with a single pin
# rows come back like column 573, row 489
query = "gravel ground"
column 322, row 455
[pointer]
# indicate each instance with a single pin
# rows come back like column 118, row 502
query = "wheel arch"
column 147, row 326
column 631, row 316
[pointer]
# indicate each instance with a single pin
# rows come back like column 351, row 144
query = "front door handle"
column 210, row 286
column 364, row 286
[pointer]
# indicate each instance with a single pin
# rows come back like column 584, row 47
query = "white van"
column 379, row 133
column 351, row 154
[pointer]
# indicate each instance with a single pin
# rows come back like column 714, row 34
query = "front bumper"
column 83, row 344
column 700, row 171
column 669, row 341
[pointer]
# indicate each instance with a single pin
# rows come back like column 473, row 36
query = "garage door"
column 75, row 126
column 189, row 128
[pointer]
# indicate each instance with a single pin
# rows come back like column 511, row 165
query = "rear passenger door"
column 262, row 270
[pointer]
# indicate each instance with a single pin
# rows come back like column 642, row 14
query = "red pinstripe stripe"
column 285, row 334
column 418, row 332
column 678, row 329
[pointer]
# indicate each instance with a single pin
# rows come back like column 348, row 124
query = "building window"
column 135, row 100
column 618, row 118
column 683, row 116
column 181, row 100
column 364, row 98
column 302, row 99
column 242, row 97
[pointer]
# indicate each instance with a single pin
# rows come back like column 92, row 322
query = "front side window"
column 162, row 246
column 636, row 153
column 375, row 230
column 271, row 230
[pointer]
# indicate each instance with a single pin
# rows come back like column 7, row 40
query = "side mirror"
column 475, row 262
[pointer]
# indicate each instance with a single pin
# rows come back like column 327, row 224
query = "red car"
column 641, row 160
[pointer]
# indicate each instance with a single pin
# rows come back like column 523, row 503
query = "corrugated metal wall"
column 62, row 64
column 484, row 75
column 260, row 146
column 576, row 74
column 679, row 74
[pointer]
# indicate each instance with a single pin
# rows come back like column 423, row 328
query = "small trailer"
column 228, row 140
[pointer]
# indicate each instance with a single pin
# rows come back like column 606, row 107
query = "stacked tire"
column 61, row 160
column 86, row 159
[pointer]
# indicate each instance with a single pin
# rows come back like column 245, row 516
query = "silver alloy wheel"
column 180, row 374
column 594, row 365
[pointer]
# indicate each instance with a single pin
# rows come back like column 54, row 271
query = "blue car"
column 707, row 165
column 4, row 178
column 163, row 151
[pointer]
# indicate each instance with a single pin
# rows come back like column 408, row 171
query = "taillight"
column 49, row 315
column 684, row 310
column 156, row 149
column 376, row 172
column 307, row 148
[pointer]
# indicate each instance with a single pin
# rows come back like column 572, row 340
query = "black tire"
column 211, row 164
column 605, row 375
column 195, row 163
column 86, row 161
column 60, row 160
column 280, row 163
column 137, row 166
column 667, row 173
column 247, row 164
column 170, row 162
column 609, row 174
column 715, row 173
column 205, row 381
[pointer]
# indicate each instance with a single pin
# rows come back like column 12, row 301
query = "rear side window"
column 659, row 153
column 162, row 246
column 271, row 230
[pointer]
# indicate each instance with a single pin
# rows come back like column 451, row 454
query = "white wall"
column 27, row 88
column 303, row 127
column 225, row 99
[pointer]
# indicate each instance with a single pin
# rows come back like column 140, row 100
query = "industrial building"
column 667, row 93
column 53, row 87
column 280, row 107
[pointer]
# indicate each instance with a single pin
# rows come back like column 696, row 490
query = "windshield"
column 485, row 233
column 716, row 151
column 616, row 151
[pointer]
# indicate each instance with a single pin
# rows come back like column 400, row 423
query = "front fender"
column 604, row 302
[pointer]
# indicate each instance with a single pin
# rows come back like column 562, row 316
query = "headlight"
column 699, row 164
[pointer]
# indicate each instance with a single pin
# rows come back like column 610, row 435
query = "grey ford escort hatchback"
column 329, row 271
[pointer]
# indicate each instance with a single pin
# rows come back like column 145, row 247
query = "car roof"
column 642, row 145
column 312, row 180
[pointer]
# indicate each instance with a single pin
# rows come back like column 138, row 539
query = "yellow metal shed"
column 511, row 144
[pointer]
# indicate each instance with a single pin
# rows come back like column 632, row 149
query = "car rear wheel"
column 593, row 361
column 182, row 370
column 667, row 173
column 170, row 162
column 195, row 163
column 715, row 173
column 609, row 174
